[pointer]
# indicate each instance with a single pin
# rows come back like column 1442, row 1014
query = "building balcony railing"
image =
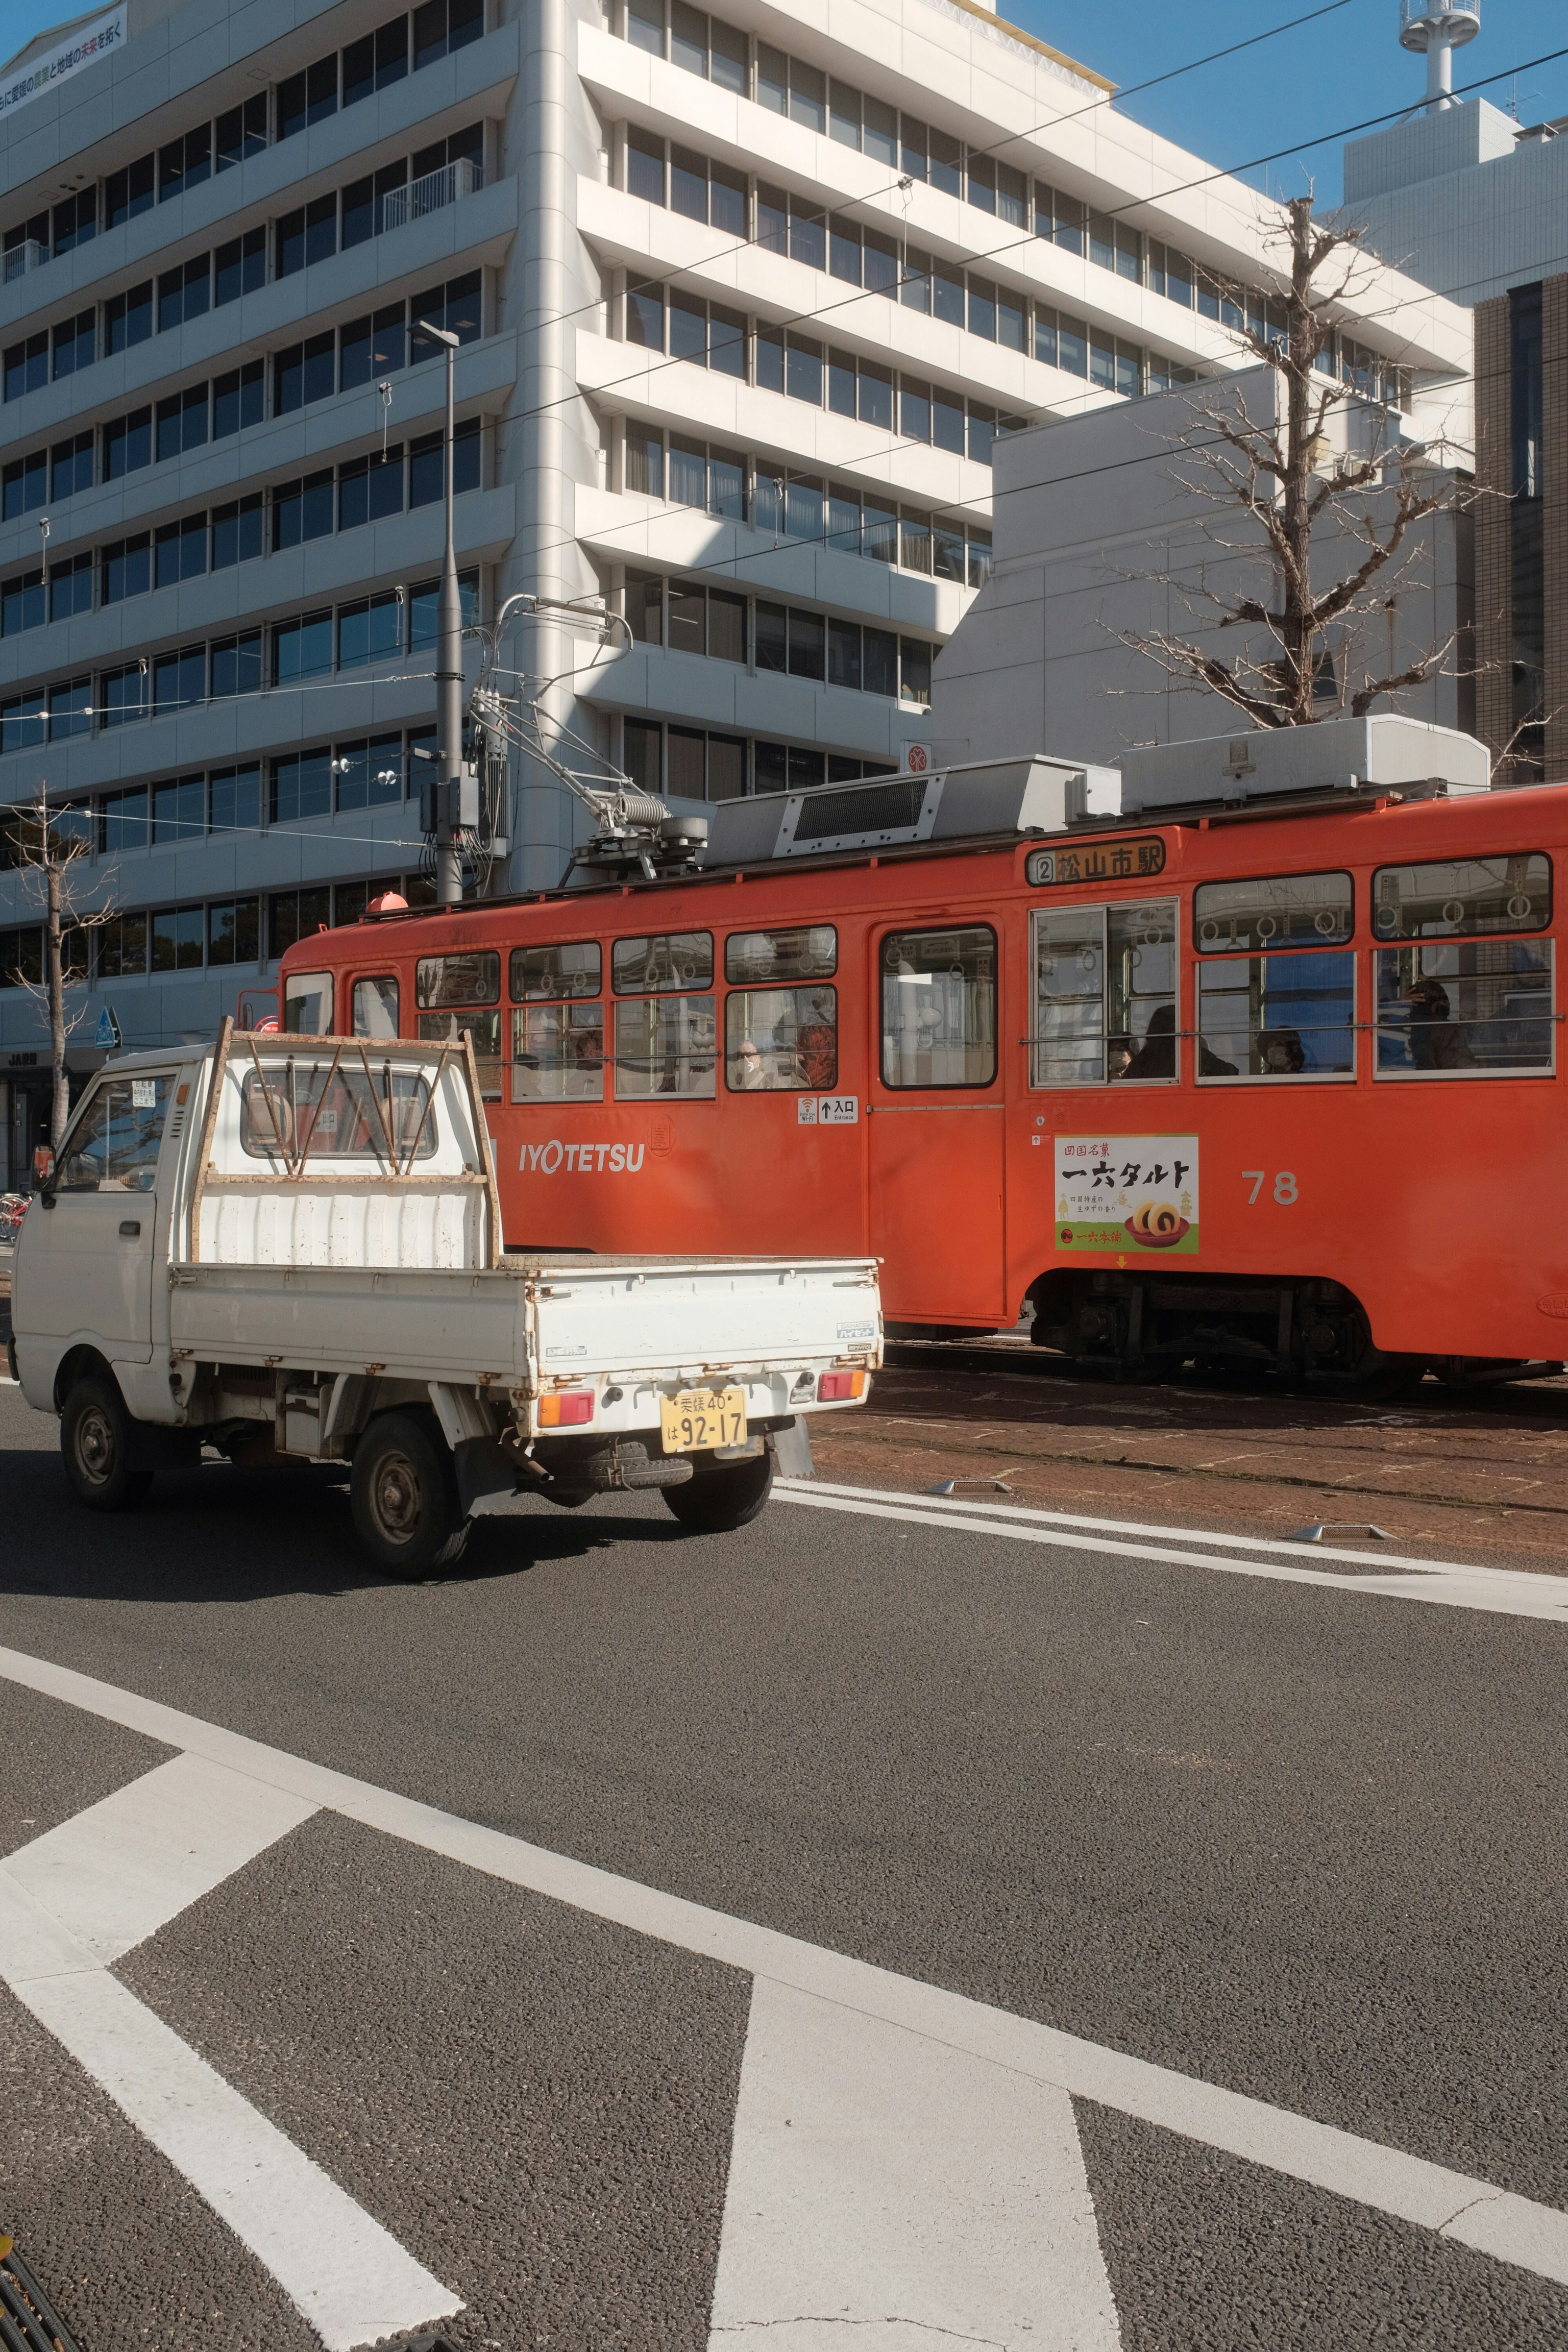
column 21, row 257
column 437, row 189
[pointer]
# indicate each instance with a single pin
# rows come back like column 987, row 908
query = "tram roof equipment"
column 1038, row 795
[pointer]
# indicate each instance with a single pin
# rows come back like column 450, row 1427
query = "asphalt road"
column 1302, row 1843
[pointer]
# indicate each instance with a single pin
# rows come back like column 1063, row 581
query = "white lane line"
column 944, row 1506
column 881, row 2181
column 89, row 1891
column 349, row 2277
column 1504, row 1592
column 117, row 1872
column 1474, row 2213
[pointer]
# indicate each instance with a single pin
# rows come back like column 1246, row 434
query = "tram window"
column 674, row 960
column 1276, row 1016
column 1478, row 1009
column 554, row 971
column 664, row 1045
column 470, row 979
column 1279, row 911
column 307, row 1004
column 781, row 1040
column 808, row 954
column 1105, row 994
column 1460, row 895
column 939, row 1008
column 484, row 1028
column 375, row 1007
column 558, row 1053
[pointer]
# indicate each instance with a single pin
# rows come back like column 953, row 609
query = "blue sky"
column 1304, row 85
column 1299, row 86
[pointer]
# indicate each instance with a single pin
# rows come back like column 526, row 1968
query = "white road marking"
column 348, row 2275
column 1501, row 1591
column 89, row 1891
column 117, row 1872
column 944, row 1506
column 1456, row 2205
column 882, row 2181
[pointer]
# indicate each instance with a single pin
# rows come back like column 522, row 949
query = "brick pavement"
column 1481, row 1477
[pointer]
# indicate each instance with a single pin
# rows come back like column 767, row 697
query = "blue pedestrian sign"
column 109, row 1037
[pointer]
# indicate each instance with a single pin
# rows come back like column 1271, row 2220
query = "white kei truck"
column 289, row 1247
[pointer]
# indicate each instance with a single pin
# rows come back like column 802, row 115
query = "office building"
column 746, row 303
column 1474, row 204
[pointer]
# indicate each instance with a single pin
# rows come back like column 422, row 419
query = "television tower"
column 1439, row 28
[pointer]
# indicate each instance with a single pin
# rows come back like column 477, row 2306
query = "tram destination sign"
column 1102, row 861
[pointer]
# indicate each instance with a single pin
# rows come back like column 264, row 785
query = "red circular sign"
column 919, row 758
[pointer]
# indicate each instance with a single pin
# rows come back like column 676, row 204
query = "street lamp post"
column 448, row 675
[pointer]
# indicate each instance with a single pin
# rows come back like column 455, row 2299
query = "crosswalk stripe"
column 882, row 2182
column 116, row 1873
column 1454, row 2205
column 90, row 1890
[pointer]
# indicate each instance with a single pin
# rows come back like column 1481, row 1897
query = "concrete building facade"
column 1464, row 198
column 747, row 303
column 1475, row 204
column 1104, row 532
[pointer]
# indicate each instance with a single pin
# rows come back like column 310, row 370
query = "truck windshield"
column 114, row 1145
column 307, row 1107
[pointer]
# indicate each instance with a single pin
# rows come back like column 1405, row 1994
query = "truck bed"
column 675, row 1317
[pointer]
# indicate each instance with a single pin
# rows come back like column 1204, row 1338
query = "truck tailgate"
column 620, row 1314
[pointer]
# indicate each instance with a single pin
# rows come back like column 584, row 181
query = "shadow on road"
column 220, row 1533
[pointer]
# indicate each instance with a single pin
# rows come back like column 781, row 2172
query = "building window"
column 301, row 787
column 239, row 266
column 302, row 647
column 71, row 467
column 183, row 422
column 70, row 587
column 180, row 550
column 240, row 398
column 128, row 318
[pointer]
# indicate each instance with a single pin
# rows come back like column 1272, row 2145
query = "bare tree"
column 1322, row 467
column 45, row 844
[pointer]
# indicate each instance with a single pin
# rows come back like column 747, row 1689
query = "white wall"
column 1098, row 532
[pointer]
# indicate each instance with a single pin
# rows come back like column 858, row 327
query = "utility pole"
column 448, row 675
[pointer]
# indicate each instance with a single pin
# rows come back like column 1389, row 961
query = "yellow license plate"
column 700, row 1418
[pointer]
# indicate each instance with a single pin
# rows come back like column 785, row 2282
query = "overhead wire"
column 824, row 311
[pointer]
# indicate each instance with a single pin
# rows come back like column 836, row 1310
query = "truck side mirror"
column 43, row 1164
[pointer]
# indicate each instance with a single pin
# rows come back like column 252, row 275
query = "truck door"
column 90, row 1255
column 937, row 1128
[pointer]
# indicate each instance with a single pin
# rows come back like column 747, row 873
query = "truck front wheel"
column 95, row 1444
column 728, row 1495
column 403, row 1496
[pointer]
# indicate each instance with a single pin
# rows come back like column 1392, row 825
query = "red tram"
column 1274, row 1083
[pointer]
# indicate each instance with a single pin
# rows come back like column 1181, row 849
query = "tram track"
column 1483, row 1472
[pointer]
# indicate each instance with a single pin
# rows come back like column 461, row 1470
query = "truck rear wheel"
column 95, row 1445
column 403, row 1496
column 728, row 1495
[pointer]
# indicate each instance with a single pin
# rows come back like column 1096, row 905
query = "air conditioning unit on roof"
column 1257, row 762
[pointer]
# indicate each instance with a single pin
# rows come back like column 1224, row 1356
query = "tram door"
column 937, row 1127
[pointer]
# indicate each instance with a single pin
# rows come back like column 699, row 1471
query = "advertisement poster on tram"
column 1129, row 1193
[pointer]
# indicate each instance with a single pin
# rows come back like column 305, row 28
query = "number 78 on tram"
column 1267, row 1079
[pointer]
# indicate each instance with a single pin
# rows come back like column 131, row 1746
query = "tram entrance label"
column 1128, row 1193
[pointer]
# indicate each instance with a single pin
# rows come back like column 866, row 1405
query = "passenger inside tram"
column 1437, row 1042
column 1282, row 1052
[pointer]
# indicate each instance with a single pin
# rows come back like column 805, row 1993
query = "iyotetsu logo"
column 580, row 1158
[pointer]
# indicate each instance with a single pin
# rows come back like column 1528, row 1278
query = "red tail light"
column 836, row 1385
column 561, row 1411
